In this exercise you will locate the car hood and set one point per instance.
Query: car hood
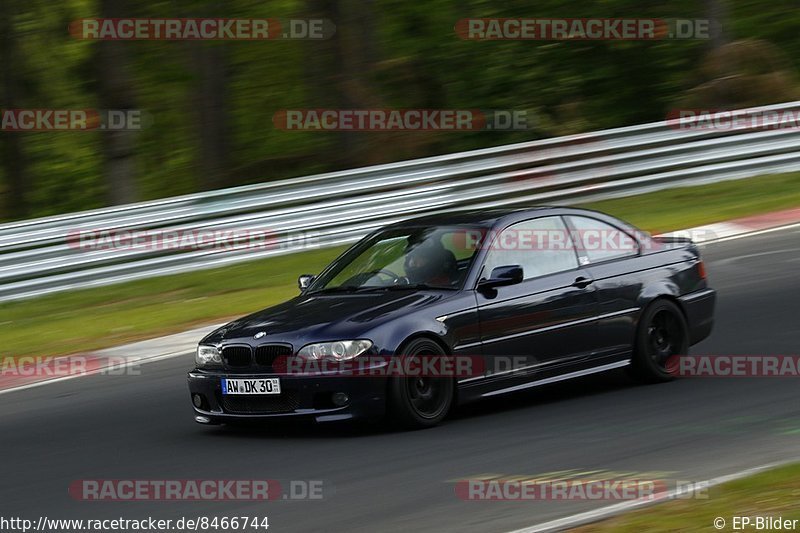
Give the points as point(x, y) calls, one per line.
point(325, 316)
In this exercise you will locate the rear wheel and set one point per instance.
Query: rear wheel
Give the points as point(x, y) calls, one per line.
point(662, 333)
point(424, 401)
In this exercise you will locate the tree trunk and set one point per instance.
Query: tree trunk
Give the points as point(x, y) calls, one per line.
point(13, 154)
point(209, 62)
point(115, 92)
point(338, 69)
point(717, 13)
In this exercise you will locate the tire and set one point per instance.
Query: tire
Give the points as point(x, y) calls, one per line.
point(661, 334)
point(416, 403)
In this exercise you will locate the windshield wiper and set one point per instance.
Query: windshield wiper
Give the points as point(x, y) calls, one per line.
point(341, 288)
point(369, 288)
point(418, 286)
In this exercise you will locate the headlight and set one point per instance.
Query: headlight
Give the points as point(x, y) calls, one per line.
point(335, 351)
point(207, 356)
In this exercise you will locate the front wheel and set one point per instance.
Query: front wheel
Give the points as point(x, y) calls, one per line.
point(662, 333)
point(423, 401)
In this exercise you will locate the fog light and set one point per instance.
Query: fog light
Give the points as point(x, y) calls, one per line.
point(197, 400)
point(339, 399)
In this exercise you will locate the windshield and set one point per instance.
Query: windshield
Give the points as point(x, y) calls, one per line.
point(429, 257)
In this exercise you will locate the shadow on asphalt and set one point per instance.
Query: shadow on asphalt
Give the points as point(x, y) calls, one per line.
point(547, 394)
point(534, 398)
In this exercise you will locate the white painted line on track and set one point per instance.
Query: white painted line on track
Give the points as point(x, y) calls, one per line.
point(145, 351)
point(114, 366)
point(580, 519)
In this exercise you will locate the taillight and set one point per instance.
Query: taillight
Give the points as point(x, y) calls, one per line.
point(701, 269)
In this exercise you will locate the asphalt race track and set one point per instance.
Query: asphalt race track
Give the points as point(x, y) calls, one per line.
point(141, 427)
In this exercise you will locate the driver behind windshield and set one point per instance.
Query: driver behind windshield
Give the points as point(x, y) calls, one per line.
point(429, 263)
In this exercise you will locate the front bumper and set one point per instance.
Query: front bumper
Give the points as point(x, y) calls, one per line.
point(699, 307)
point(301, 397)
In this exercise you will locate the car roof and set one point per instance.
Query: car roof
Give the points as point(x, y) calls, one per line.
point(478, 217)
point(487, 217)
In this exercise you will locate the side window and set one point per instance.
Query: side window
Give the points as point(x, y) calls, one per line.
point(599, 241)
point(541, 246)
point(459, 242)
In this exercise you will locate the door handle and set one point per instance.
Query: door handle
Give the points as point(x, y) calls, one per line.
point(582, 282)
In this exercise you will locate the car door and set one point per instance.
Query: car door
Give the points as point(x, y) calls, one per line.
point(610, 255)
point(549, 317)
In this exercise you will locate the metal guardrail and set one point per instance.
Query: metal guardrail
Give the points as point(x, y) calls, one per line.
point(36, 256)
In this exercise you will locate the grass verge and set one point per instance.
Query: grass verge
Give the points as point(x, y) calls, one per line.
point(90, 319)
point(768, 494)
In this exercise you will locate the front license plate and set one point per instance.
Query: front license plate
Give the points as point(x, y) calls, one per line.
point(251, 386)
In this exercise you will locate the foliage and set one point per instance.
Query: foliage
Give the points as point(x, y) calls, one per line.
point(387, 54)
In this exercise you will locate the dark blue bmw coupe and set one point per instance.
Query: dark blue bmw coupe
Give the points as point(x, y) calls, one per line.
point(521, 297)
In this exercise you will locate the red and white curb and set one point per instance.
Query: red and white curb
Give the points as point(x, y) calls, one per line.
point(742, 227)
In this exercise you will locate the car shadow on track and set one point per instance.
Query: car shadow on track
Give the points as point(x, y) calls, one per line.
point(293, 429)
point(612, 381)
point(584, 387)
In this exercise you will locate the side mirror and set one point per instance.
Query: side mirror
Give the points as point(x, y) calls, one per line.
point(501, 276)
point(304, 281)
